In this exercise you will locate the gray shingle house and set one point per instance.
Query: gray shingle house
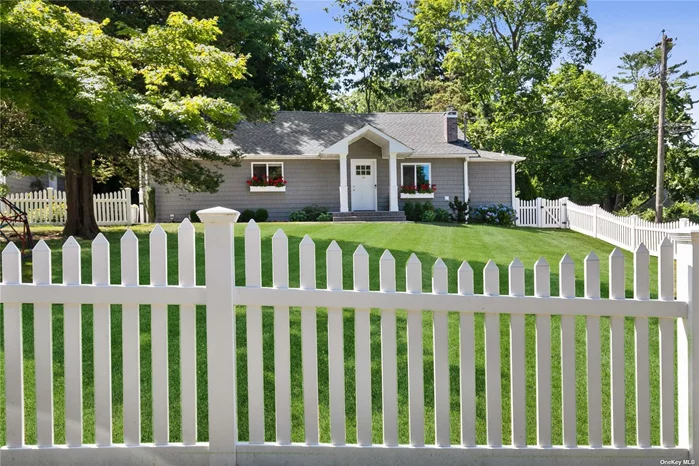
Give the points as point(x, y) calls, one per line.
point(353, 164)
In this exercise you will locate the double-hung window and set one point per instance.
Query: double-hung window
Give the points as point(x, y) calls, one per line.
point(270, 170)
point(416, 180)
point(267, 176)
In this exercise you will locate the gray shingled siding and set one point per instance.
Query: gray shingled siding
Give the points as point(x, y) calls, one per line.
point(490, 183)
point(447, 174)
point(308, 182)
point(23, 184)
point(318, 181)
point(365, 149)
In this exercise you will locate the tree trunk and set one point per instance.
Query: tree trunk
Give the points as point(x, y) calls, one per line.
point(80, 220)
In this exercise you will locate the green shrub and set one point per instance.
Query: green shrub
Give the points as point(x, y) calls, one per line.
point(193, 216)
point(246, 216)
point(409, 209)
point(442, 216)
point(325, 217)
point(429, 216)
point(635, 207)
point(414, 210)
point(298, 216)
point(648, 215)
point(459, 210)
point(313, 212)
point(499, 214)
point(680, 210)
point(261, 215)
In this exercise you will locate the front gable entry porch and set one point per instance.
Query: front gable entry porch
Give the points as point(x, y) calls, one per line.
point(363, 173)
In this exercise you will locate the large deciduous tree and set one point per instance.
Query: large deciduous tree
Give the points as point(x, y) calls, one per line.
point(95, 96)
point(499, 51)
point(370, 48)
point(285, 67)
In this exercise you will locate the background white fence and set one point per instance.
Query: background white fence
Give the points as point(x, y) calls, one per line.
point(48, 207)
point(219, 295)
point(624, 232)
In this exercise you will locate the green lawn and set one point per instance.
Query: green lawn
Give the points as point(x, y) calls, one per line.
point(453, 244)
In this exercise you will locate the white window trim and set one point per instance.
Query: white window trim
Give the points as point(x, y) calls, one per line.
point(266, 189)
point(416, 195)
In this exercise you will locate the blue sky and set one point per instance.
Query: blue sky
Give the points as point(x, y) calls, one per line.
point(623, 26)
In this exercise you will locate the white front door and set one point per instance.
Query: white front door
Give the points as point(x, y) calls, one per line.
point(363, 184)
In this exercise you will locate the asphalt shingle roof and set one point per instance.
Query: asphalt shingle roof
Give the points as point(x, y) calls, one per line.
point(305, 133)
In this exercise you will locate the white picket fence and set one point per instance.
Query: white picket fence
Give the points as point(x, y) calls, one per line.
point(48, 207)
point(624, 232)
point(219, 295)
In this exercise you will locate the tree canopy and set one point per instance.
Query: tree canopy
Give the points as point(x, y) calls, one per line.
point(94, 96)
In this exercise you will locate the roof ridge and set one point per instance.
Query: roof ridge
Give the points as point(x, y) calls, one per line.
point(360, 113)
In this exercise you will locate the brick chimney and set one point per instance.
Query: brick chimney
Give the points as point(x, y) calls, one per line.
point(451, 125)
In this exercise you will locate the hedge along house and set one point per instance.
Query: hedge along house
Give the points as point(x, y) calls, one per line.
point(359, 166)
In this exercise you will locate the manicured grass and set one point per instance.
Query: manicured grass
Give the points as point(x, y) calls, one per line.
point(453, 244)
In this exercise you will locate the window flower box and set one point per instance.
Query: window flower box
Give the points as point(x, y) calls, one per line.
point(417, 196)
point(422, 191)
point(267, 189)
point(265, 184)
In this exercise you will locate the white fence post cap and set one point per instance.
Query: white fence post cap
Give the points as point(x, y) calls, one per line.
point(689, 235)
point(218, 215)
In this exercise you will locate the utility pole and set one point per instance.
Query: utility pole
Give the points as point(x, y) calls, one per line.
point(659, 185)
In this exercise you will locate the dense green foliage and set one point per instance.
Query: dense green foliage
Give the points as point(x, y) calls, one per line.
point(311, 213)
point(246, 215)
point(93, 97)
point(298, 216)
point(459, 209)
point(314, 211)
point(261, 215)
point(285, 66)
point(517, 70)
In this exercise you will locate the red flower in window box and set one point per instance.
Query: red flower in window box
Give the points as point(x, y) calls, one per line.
point(418, 189)
point(264, 180)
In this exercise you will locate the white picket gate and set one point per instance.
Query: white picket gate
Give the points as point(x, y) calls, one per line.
point(542, 213)
point(219, 295)
point(48, 207)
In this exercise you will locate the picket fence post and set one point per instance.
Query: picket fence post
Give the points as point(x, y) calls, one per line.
point(687, 242)
point(539, 216)
point(595, 208)
point(564, 213)
point(220, 332)
point(634, 232)
point(49, 203)
point(127, 206)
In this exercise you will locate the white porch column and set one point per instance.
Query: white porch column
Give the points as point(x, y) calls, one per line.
point(467, 190)
point(393, 181)
point(344, 202)
point(512, 181)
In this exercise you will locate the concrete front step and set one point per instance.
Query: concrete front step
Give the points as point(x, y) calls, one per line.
point(369, 216)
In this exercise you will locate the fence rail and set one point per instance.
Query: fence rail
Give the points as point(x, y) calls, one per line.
point(624, 232)
point(48, 207)
point(219, 295)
